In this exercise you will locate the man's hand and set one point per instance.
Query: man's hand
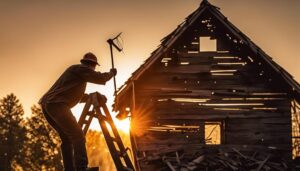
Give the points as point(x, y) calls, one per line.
point(113, 71)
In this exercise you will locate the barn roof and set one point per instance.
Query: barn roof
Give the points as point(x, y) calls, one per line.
point(170, 39)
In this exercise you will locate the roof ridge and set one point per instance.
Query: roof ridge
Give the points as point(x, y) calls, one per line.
point(206, 3)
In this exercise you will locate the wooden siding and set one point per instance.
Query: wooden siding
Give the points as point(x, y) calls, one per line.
point(178, 89)
point(186, 88)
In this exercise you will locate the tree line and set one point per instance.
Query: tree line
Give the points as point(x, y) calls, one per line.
point(31, 144)
point(26, 143)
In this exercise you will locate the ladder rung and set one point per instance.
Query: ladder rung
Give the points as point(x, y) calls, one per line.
point(90, 113)
point(104, 118)
point(85, 122)
point(122, 154)
point(115, 139)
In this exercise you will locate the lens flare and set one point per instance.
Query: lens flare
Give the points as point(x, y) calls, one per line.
point(123, 125)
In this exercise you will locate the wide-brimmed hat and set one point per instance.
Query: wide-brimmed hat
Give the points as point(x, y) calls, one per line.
point(90, 57)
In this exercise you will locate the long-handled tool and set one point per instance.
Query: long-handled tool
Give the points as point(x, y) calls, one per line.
point(111, 45)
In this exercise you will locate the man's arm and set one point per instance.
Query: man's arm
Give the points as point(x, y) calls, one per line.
point(92, 76)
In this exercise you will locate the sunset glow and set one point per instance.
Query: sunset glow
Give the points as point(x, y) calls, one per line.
point(32, 35)
point(122, 125)
point(187, 78)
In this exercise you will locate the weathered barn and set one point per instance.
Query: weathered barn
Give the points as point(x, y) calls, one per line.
point(209, 86)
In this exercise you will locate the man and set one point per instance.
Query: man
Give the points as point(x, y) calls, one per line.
point(66, 92)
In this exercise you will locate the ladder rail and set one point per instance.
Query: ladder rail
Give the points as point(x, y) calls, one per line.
point(117, 136)
point(83, 115)
point(109, 143)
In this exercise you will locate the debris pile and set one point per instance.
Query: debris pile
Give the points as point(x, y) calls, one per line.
point(234, 160)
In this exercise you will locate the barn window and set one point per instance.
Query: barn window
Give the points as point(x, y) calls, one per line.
point(207, 44)
point(212, 133)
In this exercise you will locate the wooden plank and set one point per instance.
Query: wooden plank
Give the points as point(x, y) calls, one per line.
point(205, 54)
point(206, 96)
point(185, 69)
point(210, 60)
point(149, 148)
point(220, 104)
point(239, 75)
point(192, 46)
point(219, 111)
point(213, 87)
point(248, 139)
point(217, 116)
point(169, 138)
point(283, 120)
point(215, 104)
point(226, 93)
point(200, 68)
point(202, 78)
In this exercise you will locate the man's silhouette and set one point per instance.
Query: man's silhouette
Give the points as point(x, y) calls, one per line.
point(66, 92)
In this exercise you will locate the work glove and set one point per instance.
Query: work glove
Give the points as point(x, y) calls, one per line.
point(113, 71)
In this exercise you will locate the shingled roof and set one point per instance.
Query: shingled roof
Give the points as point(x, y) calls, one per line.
point(205, 6)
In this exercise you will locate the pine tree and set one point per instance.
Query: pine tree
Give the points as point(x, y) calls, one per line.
point(11, 131)
point(41, 148)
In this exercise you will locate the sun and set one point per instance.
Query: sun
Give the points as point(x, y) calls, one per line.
point(123, 125)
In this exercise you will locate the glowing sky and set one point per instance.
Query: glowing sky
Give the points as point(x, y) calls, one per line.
point(40, 38)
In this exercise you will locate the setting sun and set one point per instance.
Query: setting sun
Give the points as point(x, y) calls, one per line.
point(123, 125)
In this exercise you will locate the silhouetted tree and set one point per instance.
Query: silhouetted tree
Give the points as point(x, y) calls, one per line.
point(11, 131)
point(41, 148)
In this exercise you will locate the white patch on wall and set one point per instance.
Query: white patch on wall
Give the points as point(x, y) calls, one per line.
point(207, 44)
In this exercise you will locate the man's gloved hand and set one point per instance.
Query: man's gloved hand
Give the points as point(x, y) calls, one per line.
point(113, 71)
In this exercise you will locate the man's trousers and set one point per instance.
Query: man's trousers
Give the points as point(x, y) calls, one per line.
point(73, 148)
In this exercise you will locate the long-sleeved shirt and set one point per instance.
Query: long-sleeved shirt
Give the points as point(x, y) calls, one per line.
point(70, 86)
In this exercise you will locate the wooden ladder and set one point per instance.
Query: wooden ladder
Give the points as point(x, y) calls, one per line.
point(115, 145)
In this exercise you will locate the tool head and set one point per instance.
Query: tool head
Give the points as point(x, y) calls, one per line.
point(89, 57)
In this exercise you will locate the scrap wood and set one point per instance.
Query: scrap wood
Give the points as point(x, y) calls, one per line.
point(233, 160)
point(198, 160)
point(229, 160)
point(237, 151)
point(188, 168)
point(168, 163)
point(262, 163)
point(228, 165)
point(170, 166)
point(177, 158)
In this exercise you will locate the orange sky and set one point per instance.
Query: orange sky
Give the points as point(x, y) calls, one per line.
point(39, 39)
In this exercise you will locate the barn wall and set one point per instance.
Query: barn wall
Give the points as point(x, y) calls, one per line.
point(188, 89)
